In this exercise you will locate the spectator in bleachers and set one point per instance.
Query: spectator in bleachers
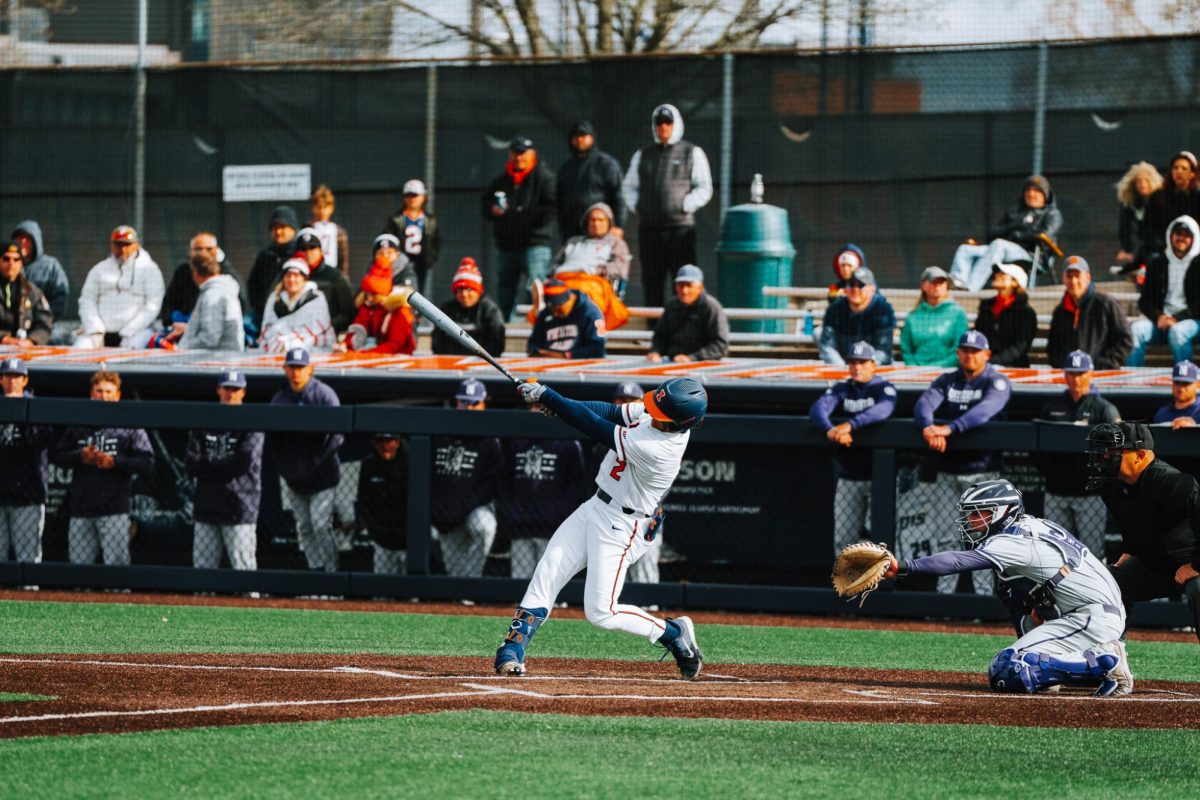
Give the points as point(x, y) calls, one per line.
point(693, 326)
point(1133, 193)
point(43, 270)
point(865, 399)
point(463, 490)
point(1087, 320)
point(1013, 239)
point(598, 251)
point(471, 311)
point(382, 501)
point(1007, 320)
point(335, 243)
point(416, 229)
point(121, 296)
point(268, 264)
point(381, 317)
point(297, 314)
point(588, 176)
point(216, 321)
point(23, 472)
point(1068, 501)
point(959, 401)
point(862, 315)
point(386, 250)
point(182, 291)
point(227, 466)
point(931, 331)
point(1177, 197)
point(538, 489)
point(847, 260)
point(1184, 409)
point(570, 326)
point(331, 282)
point(308, 464)
point(666, 184)
point(103, 462)
point(25, 318)
point(519, 204)
point(1170, 298)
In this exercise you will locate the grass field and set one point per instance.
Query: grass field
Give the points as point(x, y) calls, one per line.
point(481, 753)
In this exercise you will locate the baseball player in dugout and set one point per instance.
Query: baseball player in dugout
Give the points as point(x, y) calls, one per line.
point(864, 399)
point(955, 403)
point(616, 525)
point(1065, 605)
point(1157, 511)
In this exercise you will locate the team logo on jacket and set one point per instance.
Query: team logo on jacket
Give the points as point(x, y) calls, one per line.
point(964, 395)
point(455, 460)
point(11, 436)
point(535, 464)
point(1000, 384)
point(855, 406)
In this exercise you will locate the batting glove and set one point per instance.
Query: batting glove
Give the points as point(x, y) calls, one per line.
point(655, 524)
point(531, 391)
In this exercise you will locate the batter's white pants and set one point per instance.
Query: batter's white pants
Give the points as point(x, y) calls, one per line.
point(88, 536)
point(851, 512)
point(314, 526)
point(645, 569)
point(237, 541)
point(1094, 627)
point(1085, 516)
point(21, 526)
point(604, 540)
point(525, 554)
point(389, 561)
point(465, 548)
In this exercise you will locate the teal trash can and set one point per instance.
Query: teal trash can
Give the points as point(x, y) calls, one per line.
point(755, 250)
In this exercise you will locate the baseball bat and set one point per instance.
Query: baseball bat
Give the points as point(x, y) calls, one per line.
point(442, 322)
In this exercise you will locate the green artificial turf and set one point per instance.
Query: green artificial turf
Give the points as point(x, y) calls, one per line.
point(490, 754)
point(17, 697)
point(41, 627)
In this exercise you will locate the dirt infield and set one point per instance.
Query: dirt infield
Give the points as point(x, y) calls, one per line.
point(120, 693)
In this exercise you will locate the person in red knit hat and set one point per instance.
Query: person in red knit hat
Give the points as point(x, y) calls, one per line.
point(474, 313)
point(383, 314)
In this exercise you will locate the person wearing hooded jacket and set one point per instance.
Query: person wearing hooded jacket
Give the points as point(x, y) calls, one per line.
point(1178, 196)
point(666, 184)
point(589, 176)
point(1170, 299)
point(1013, 239)
point(216, 320)
point(598, 250)
point(42, 270)
point(847, 260)
point(297, 314)
point(266, 272)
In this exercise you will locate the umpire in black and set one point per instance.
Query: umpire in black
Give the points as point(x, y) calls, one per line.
point(1157, 511)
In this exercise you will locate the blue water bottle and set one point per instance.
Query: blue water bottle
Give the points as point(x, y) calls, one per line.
point(808, 323)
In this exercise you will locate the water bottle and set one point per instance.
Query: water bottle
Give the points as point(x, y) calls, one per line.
point(808, 323)
point(756, 188)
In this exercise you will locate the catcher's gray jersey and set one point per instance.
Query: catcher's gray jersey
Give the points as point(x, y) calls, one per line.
point(1038, 549)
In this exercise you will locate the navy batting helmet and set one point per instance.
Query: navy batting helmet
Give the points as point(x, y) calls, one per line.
point(1000, 503)
point(682, 401)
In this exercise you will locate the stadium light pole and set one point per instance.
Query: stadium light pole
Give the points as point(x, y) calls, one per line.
point(139, 133)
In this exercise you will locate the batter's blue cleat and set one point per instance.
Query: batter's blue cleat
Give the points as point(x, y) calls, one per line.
point(510, 660)
point(680, 641)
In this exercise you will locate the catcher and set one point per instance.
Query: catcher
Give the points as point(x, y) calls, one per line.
point(1065, 604)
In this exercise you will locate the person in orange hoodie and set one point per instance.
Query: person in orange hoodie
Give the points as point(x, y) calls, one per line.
point(381, 316)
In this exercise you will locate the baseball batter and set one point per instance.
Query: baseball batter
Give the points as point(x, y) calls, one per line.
point(646, 442)
point(1065, 604)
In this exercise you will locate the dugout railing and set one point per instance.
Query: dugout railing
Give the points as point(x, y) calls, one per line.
point(890, 443)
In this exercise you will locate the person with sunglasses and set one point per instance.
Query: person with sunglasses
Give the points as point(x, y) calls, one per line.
point(25, 317)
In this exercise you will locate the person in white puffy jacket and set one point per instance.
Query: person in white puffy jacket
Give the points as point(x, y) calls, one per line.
point(297, 314)
point(121, 296)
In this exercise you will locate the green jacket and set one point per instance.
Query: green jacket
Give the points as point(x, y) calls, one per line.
point(930, 334)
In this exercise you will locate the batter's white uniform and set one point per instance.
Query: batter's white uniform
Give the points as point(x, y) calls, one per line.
point(606, 537)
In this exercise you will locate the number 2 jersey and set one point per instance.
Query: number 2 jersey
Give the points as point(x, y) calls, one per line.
point(641, 466)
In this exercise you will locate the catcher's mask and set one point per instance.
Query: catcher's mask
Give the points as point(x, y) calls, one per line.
point(1106, 443)
point(999, 503)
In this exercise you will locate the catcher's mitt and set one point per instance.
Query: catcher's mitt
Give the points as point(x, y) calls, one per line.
point(859, 569)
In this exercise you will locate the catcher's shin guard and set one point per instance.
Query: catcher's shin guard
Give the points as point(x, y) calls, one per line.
point(1030, 672)
point(510, 658)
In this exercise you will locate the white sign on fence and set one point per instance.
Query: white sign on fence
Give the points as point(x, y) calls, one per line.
point(248, 182)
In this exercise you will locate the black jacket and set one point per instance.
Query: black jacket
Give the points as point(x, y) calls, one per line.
point(264, 275)
point(227, 466)
point(1022, 224)
point(338, 295)
point(1154, 291)
point(1102, 332)
point(307, 461)
point(1010, 334)
point(1066, 473)
point(529, 219)
point(483, 321)
point(29, 311)
point(699, 330)
point(383, 499)
point(594, 178)
point(465, 474)
point(1158, 517)
point(99, 492)
point(23, 463)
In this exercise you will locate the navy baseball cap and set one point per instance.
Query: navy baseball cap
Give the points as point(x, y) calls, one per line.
point(1078, 361)
point(520, 143)
point(1185, 372)
point(13, 366)
point(629, 390)
point(307, 239)
point(555, 292)
point(689, 273)
point(861, 351)
point(232, 379)
point(973, 340)
point(471, 391)
point(297, 357)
